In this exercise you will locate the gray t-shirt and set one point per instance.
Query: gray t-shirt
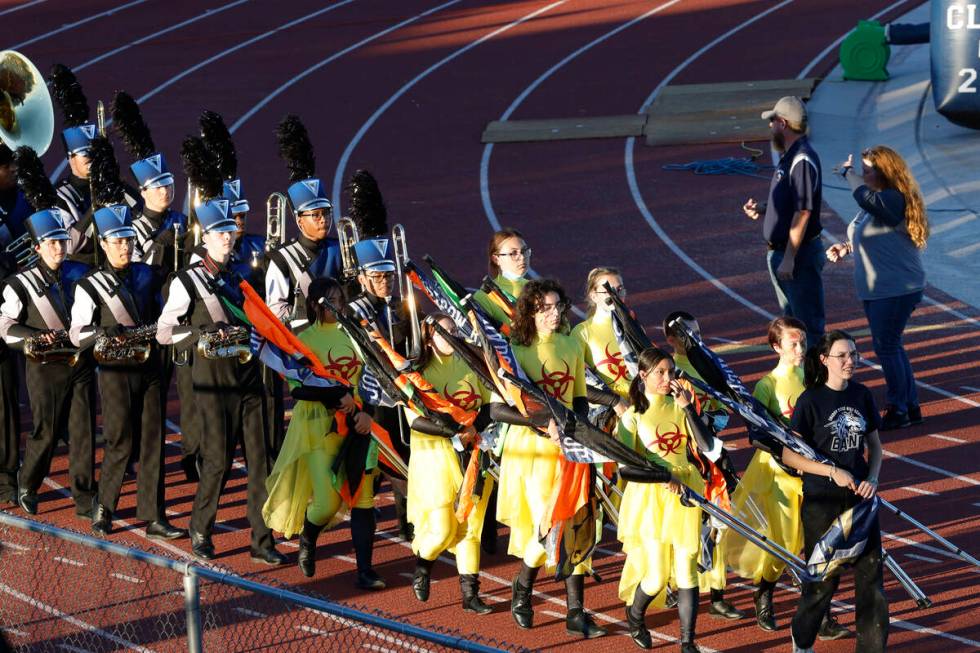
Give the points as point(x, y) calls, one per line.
point(886, 261)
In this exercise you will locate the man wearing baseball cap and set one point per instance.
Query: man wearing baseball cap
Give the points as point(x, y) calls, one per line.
point(791, 225)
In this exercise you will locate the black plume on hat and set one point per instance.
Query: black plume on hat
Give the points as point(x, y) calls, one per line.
point(295, 147)
point(200, 168)
point(68, 94)
point(129, 124)
point(217, 139)
point(107, 188)
point(367, 206)
point(33, 180)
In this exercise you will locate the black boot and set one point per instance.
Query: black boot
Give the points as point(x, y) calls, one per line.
point(520, 598)
point(722, 609)
point(306, 558)
point(763, 607)
point(830, 628)
point(422, 578)
point(469, 585)
point(687, 608)
point(101, 520)
point(577, 620)
point(362, 527)
point(636, 619)
point(405, 527)
point(201, 545)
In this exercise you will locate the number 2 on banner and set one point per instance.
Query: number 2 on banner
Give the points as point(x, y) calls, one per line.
point(968, 84)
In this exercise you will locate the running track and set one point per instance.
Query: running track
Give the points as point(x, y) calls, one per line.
point(405, 89)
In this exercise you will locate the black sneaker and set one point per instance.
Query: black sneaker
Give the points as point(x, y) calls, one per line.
point(831, 629)
point(915, 414)
point(894, 419)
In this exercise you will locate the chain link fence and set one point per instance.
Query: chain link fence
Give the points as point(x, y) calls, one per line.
point(65, 591)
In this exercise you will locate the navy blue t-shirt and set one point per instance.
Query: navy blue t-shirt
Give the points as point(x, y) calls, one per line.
point(796, 186)
point(836, 423)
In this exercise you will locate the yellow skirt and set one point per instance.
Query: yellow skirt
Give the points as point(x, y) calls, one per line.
point(650, 512)
point(434, 476)
point(528, 469)
point(767, 489)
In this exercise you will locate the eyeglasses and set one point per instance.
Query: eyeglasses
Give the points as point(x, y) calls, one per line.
point(316, 215)
point(118, 242)
point(853, 355)
point(379, 276)
point(515, 254)
point(560, 307)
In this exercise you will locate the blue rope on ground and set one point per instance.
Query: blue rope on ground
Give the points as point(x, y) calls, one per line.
point(745, 166)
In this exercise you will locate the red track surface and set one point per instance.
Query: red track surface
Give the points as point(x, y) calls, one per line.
point(572, 201)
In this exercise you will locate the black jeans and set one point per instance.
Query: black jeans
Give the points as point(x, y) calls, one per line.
point(871, 605)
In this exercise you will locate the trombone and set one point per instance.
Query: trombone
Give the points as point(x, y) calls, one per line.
point(22, 249)
point(406, 291)
point(348, 235)
point(275, 212)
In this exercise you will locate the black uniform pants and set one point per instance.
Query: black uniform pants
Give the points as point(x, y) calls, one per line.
point(230, 413)
point(62, 397)
point(189, 423)
point(871, 604)
point(9, 423)
point(131, 415)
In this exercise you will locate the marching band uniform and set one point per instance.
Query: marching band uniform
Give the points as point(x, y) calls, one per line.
point(155, 229)
point(229, 393)
point(109, 301)
point(62, 395)
point(601, 350)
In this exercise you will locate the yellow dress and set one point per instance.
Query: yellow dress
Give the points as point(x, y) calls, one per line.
point(767, 489)
point(290, 484)
point(435, 476)
point(529, 462)
point(660, 535)
point(602, 352)
point(512, 288)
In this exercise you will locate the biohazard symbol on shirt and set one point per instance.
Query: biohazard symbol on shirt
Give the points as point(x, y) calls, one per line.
point(670, 442)
point(614, 365)
point(467, 399)
point(790, 407)
point(343, 366)
point(556, 383)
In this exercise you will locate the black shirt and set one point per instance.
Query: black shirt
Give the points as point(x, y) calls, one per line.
point(796, 186)
point(836, 424)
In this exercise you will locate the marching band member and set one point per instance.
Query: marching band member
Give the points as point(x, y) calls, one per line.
point(602, 352)
point(304, 494)
point(112, 301)
point(660, 535)
point(228, 391)
point(509, 261)
point(529, 463)
point(34, 318)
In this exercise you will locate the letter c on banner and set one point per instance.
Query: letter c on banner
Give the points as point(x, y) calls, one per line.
point(955, 53)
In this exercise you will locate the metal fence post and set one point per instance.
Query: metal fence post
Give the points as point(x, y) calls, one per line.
point(192, 610)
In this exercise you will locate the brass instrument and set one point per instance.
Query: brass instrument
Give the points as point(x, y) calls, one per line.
point(406, 291)
point(22, 249)
point(59, 350)
point(347, 233)
point(100, 117)
point(275, 213)
point(180, 358)
point(26, 112)
point(133, 347)
point(234, 342)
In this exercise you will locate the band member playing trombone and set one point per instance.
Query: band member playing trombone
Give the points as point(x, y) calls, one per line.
point(34, 318)
point(307, 466)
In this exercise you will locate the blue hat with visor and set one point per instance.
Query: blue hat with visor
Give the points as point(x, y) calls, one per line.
point(48, 224)
point(114, 221)
point(375, 255)
point(236, 196)
point(307, 195)
point(78, 140)
point(215, 215)
point(152, 172)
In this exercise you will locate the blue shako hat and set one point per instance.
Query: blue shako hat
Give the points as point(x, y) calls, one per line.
point(215, 215)
point(114, 221)
point(78, 140)
point(375, 255)
point(309, 194)
point(48, 224)
point(152, 172)
point(232, 191)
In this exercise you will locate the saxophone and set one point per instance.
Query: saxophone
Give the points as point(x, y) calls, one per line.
point(131, 348)
point(235, 342)
point(59, 350)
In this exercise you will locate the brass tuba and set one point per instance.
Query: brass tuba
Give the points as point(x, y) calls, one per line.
point(59, 350)
point(26, 112)
point(235, 342)
point(131, 348)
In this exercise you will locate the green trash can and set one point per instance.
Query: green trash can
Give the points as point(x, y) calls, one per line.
point(864, 52)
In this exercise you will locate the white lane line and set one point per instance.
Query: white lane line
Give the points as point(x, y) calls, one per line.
point(952, 311)
point(370, 630)
point(970, 388)
point(916, 556)
point(926, 547)
point(14, 631)
point(68, 561)
point(15, 546)
point(552, 613)
point(320, 64)
point(948, 438)
point(380, 649)
point(251, 613)
point(19, 7)
point(338, 177)
point(346, 559)
point(73, 649)
point(74, 621)
point(916, 490)
point(129, 579)
point(122, 48)
point(931, 468)
point(77, 23)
